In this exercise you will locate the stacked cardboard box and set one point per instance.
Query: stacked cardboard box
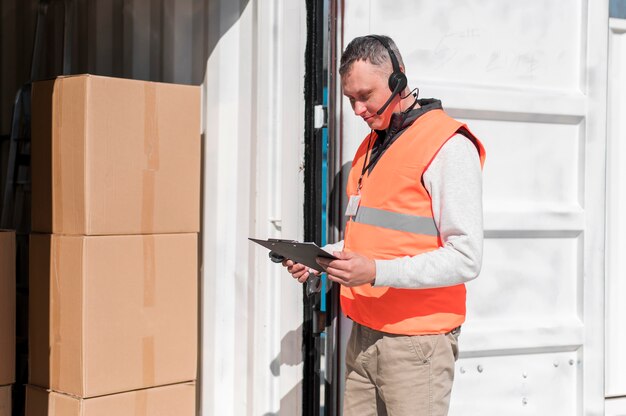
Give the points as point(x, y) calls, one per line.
point(113, 254)
point(176, 399)
point(7, 319)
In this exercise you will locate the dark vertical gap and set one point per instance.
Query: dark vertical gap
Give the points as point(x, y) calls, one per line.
point(82, 32)
point(4, 98)
point(163, 19)
point(117, 34)
point(127, 40)
point(8, 31)
point(67, 31)
point(198, 37)
point(333, 315)
point(141, 38)
point(156, 29)
point(54, 51)
point(168, 21)
point(17, 53)
point(74, 40)
point(22, 26)
point(313, 91)
point(105, 49)
point(41, 43)
point(92, 40)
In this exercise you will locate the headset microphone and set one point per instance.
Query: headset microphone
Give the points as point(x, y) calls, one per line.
point(396, 90)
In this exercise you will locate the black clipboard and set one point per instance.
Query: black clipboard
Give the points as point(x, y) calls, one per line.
point(303, 253)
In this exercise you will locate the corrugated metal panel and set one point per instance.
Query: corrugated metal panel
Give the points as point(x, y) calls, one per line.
point(157, 40)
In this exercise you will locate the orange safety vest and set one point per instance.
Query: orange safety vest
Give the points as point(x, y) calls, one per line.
point(395, 219)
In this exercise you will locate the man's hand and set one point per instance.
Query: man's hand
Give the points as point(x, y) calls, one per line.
point(351, 269)
point(298, 271)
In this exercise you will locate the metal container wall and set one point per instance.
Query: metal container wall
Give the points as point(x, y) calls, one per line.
point(156, 40)
point(253, 187)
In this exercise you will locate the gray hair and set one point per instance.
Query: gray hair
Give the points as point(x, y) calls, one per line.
point(368, 49)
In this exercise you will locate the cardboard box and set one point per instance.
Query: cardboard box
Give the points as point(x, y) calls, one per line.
point(7, 307)
point(176, 399)
point(112, 313)
point(5, 400)
point(115, 156)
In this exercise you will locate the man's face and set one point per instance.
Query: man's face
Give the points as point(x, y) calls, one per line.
point(366, 86)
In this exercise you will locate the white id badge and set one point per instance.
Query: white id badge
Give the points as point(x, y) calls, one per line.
point(353, 205)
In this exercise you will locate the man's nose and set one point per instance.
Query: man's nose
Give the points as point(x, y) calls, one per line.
point(359, 108)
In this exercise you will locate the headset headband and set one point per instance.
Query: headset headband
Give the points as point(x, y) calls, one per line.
point(394, 61)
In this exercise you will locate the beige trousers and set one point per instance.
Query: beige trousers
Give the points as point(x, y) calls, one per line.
point(397, 375)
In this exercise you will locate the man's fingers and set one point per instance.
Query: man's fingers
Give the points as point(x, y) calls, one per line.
point(304, 277)
point(337, 273)
point(298, 273)
point(342, 281)
point(338, 267)
point(337, 279)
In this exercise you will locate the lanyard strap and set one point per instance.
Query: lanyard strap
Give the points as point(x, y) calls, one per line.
point(365, 164)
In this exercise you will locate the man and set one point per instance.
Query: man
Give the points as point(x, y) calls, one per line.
point(413, 238)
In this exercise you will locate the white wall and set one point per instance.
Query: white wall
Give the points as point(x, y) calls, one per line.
point(253, 186)
point(615, 407)
point(616, 223)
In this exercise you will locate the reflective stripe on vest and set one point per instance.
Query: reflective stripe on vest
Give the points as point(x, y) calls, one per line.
point(395, 220)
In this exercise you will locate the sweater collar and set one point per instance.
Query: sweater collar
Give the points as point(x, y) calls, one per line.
point(400, 121)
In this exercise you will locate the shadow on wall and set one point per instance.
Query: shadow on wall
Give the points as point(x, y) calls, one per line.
point(290, 404)
point(291, 355)
point(291, 344)
point(290, 351)
point(336, 218)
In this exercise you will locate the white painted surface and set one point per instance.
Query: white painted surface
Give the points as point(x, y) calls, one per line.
point(529, 78)
point(616, 222)
point(615, 407)
point(253, 148)
point(516, 384)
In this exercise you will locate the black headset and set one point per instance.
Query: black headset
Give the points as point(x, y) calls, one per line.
point(397, 80)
